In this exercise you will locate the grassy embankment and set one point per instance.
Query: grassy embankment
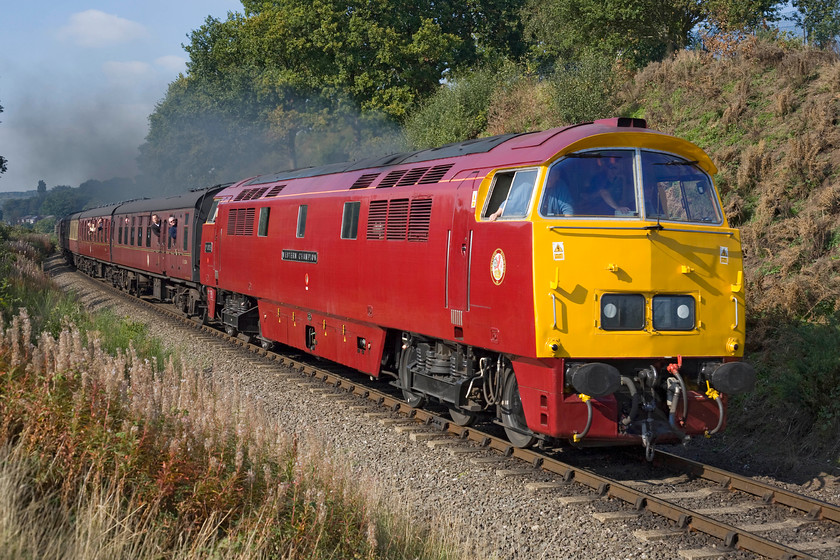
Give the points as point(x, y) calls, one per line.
point(104, 454)
point(769, 118)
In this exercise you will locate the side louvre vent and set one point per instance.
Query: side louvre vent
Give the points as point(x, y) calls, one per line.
point(241, 221)
point(435, 174)
point(397, 225)
point(391, 179)
point(377, 217)
point(400, 219)
point(275, 191)
point(412, 176)
point(419, 217)
point(251, 194)
point(364, 181)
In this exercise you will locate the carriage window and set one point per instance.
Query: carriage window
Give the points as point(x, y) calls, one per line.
point(510, 195)
point(131, 237)
point(301, 223)
point(119, 234)
point(149, 236)
point(350, 220)
point(186, 235)
point(140, 233)
point(262, 228)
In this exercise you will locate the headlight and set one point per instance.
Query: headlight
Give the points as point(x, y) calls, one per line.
point(622, 312)
point(673, 313)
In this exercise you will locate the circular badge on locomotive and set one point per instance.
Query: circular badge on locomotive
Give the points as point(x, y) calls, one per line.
point(498, 266)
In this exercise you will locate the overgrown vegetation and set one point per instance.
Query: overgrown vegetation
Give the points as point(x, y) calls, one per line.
point(768, 117)
point(132, 454)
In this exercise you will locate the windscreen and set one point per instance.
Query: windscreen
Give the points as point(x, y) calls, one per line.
point(629, 183)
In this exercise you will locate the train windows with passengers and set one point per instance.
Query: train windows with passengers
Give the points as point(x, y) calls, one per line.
point(510, 194)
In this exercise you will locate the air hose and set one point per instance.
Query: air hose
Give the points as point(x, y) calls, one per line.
point(588, 400)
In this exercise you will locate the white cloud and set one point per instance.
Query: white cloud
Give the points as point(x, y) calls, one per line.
point(172, 63)
point(93, 28)
point(121, 72)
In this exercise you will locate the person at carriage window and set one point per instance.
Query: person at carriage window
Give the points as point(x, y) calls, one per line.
point(155, 225)
point(173, 230)
point(557, 201)
point(519, 195)
point(611, 190)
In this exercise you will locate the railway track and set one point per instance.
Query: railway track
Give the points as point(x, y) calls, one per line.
point(740, 513)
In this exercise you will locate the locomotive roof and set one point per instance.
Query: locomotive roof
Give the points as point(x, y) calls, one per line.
point(528, 148)
point(477, 146)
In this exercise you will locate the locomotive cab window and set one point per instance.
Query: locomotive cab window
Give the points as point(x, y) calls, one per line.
point(676, 189)
point(350, 220)
point(594, 183)
point(510, 194)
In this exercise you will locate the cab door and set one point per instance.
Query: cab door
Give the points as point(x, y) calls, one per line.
point(459, 253)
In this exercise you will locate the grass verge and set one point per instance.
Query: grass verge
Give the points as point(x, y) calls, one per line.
point(104, 454)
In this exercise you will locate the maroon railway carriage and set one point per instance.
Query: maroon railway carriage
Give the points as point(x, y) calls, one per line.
point(138, 257)
point(89, 239)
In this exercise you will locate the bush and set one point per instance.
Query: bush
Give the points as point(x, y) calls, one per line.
point(585, 88)
point(457, 112)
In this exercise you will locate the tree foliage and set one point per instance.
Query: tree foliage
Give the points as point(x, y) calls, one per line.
point(633, 31)
point(820, 19)
point(294, 82)
point(458, 111)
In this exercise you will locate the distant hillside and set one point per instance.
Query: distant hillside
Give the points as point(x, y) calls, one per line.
point(769, 119)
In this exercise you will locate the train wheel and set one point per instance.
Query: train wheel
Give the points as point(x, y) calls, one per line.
point(461, 417)
point(407, 358)
point(513, 417)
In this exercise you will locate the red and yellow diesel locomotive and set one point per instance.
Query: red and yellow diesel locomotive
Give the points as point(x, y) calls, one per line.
point(580, 283)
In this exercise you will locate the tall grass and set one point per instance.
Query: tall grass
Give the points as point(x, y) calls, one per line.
point(106, 454)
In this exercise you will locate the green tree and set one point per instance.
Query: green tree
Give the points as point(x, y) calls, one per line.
point(308, 83)
point(635, 31)
point(820, 19)
point(42, 188)
point(63, 200)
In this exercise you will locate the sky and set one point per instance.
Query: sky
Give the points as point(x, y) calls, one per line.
point(78, 80)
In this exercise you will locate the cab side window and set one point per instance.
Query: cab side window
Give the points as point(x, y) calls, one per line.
point(511, 194)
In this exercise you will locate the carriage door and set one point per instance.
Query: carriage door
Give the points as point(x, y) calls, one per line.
point(459, 253)
point(176, 249)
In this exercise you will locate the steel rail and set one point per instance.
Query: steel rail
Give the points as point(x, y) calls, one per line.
point(816, 509)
